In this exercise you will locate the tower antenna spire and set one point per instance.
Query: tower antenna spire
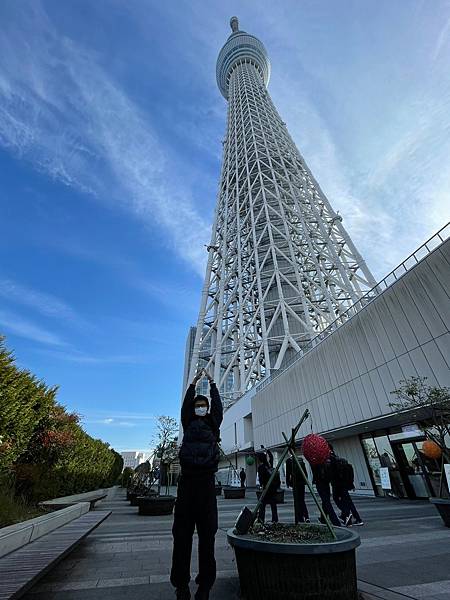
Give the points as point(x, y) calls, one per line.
point(234, 23)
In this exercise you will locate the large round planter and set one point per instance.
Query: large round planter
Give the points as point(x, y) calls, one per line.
point(155, 505)
point(443, 507)
point(279, 498)
point(276, 571)
point(233, 493)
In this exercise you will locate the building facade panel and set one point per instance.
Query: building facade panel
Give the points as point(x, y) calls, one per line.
point(426, 300)
point(435, 359)
point(371, 390)
point(443, 343)
point(413, 314)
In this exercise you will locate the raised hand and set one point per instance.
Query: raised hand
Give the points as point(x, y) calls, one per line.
point(198, 376)
point(208, 376)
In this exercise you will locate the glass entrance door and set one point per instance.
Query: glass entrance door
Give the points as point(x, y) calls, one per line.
point(412, 470)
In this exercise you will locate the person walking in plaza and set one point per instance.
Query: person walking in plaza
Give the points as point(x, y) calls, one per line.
point(264, 473)
point(322, 479)
point(342, 480)
point(268, 454)
point(242, 477)
point(294, 479)
point(196, 504)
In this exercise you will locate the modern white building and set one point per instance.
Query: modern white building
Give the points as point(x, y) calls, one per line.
point(134, 458)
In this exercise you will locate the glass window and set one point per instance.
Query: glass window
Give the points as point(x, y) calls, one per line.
point(388, 460)
point(374, 463)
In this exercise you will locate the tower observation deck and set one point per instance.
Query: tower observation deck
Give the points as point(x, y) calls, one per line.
point(281, 266)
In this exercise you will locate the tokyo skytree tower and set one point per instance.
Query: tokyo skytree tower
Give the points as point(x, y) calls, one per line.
point(281, 266)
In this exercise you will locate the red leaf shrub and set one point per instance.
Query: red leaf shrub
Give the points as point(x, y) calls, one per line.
point(315, 449)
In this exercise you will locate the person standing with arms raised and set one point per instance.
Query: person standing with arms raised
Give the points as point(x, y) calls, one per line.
point(196, 505)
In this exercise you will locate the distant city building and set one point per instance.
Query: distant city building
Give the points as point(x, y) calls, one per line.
point(134, 458)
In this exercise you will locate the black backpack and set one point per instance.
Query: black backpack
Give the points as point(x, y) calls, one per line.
point(276, 481)
point(343, 473)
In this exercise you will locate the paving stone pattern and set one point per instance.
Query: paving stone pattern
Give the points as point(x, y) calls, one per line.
point(405, 553)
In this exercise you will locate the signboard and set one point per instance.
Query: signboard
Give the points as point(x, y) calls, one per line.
point(447, 474)
point(385, 479)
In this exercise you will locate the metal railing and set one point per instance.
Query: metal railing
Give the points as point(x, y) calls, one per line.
point(422, 252)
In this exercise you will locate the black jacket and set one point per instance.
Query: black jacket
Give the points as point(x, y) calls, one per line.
point(293, 475)
point(322, 473)
point(199, 452)
point(264, 474)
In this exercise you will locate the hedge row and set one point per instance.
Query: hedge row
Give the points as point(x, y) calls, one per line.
point(44, 451)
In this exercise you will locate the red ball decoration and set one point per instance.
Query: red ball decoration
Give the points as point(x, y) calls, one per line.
point(431, 449)
point(315, 449)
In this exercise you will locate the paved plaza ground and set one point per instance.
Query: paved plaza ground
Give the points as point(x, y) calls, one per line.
point(405, 553)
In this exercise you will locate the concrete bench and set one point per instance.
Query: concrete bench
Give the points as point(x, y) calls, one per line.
point(64, 501)
point(20, 534)
point(21, 569)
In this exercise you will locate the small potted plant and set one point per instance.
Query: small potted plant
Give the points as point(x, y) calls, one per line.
point(431, 404)
point(139, 483)
point(153, 502)
point(233, 490)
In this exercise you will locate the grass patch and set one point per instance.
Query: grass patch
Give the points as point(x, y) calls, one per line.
point(15, 510)
point(304, 533)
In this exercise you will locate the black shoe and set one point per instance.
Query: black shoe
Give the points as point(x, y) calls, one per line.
point(202, 594)
point(183, 593)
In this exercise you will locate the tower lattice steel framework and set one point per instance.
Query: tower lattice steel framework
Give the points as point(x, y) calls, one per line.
point(281, 266)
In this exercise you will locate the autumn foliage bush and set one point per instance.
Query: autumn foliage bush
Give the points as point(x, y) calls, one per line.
point(44, 451)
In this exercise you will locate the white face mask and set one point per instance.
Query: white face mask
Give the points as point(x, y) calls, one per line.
point(201, 411)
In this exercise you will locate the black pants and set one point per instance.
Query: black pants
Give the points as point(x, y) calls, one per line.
point(196, 507)
point(268, 500)
point(345, 503)
point(300, 509)
point(323, 489)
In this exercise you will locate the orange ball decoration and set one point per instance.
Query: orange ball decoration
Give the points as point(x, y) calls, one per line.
point(431, 449)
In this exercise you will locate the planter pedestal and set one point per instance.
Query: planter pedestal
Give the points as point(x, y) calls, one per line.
point(218, 490)
point(443, 507)
point(132, 497)
point(233, 493)
point(279, 498)
point(317, 571)
point(155, 505)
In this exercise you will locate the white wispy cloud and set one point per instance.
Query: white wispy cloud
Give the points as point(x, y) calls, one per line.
point(114, 422)
point(62, 112)
point(73, 355)
point(45, 304)
point(125, 415)
point(443, 39)
point(392, 187)
point(15, 324)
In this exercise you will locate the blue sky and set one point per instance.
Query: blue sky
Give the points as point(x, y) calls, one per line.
point(110, 139)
